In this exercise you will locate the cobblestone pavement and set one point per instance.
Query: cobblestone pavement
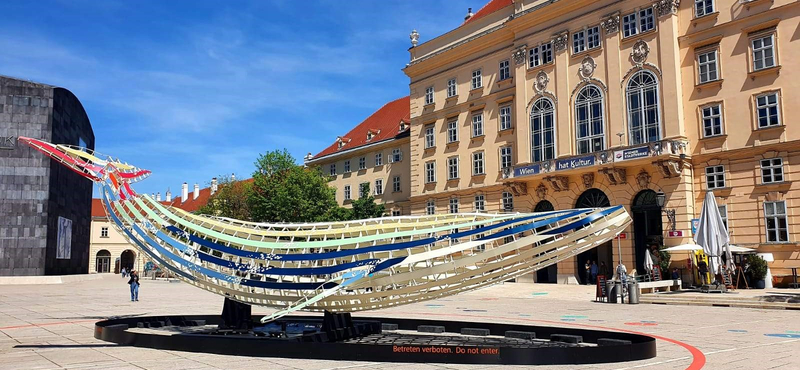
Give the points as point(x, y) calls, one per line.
point(51, 327)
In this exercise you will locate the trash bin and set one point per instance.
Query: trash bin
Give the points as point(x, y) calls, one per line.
point(633, 293)
point(611, 290)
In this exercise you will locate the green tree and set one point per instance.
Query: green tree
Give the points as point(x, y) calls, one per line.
point(232, 199)
point(365, 206)
point(285, 192)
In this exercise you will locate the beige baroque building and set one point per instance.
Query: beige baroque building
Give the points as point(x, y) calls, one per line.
point(534, 105)
point(374, 153)
point(109, 251)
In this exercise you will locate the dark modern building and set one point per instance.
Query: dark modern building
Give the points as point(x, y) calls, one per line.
point(45, 208)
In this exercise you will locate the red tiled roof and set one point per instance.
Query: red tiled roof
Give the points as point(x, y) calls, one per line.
point(490, 7)
point(190, 205)
point(384, 123)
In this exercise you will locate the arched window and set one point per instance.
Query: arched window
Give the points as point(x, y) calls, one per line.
point(590, 128)
point(643, 112)
point(592, 198)
point(544, 206)
point(543, 141)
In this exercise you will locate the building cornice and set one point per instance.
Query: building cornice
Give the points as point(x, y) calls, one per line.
point(353, 151)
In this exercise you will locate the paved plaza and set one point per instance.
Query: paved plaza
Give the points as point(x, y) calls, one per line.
point(51, 327)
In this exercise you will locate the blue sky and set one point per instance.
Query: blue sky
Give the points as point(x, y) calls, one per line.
point(196, 89)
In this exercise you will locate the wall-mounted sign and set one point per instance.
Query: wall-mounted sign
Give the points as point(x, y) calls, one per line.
point(566, 164)
point(695, 224)
point(633, 153)
point(527, 170)
point(675, 234)
point(622, 236)
point(8, 142)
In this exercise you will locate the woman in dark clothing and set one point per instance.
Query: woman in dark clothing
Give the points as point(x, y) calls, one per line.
point(134, 283)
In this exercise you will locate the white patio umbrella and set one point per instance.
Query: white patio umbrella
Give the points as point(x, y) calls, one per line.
point(711, 233)
point(648, 261)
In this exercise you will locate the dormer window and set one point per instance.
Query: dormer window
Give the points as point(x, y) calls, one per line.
point(402, 126)
point(341, 141)
point(372, 133)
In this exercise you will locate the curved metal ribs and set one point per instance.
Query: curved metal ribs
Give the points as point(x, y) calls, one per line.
point(338, 266)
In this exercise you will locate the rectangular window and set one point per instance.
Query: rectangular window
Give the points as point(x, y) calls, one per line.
point(396, 184)
point(647, 21)
point(505, 157)
point(630, 26)
point(712, 120)
point(347, 166)
point(363, 190)
point(477, 80)
point(505, 70)
point(540, 55)
point(715, 177)
point(505, 117)
point(763, 52)
point(347, 192)
point(775, 217)
point(771, 170)
point(430, 207)
point(508, 202)
point(430, 172)
point(397, 155)
point(578, 42)
point(451, 88)
point(452, 131)
point(362, 163)
point(586, 39)
point(453, 205)
point(452, 168)
point(104, 232)
point(477, 125)
point(480, 203)
point(429, 95)
point(430, 138)
point(707, 64)
point(378, 186)
point(703, 7)
point(723, 214)
point(333, 169)
point(768, 110)
point(378, 159)
point(477, 164)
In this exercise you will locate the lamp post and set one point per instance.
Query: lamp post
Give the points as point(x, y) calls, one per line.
point(660, 201)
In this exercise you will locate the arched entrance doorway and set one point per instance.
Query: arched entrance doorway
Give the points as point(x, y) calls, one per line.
point(544, 206)
point(548, 275)
point(647, 228)
point(103, 262)
point(126, 259)
point(602, 255)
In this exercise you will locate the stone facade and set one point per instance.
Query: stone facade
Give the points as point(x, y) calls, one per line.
point(34, 190)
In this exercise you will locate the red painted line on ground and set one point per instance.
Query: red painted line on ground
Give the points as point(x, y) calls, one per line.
point(698, 358)
point(44, 324)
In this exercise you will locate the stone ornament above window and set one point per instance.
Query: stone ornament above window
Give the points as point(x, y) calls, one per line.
point(666, 7)
point(639, 53)
point(587, 68)
point(560, 41)
point(611, 24)
point(540, 86)
point(588, 180)
point(519, 54)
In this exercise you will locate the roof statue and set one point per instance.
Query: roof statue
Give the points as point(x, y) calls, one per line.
point(337, 266)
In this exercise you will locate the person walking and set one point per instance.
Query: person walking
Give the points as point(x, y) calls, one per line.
point(702, 269)
point(134, 283)
point(593, 270)
point(587, 273)
point(122, 272)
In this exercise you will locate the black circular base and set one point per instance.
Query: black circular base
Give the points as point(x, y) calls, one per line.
point(504, 345)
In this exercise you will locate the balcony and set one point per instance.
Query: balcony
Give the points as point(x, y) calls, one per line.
point(667, 156)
